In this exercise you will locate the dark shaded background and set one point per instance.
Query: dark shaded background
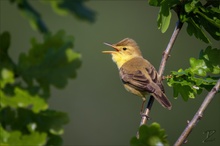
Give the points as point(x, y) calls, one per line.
point(101, 111)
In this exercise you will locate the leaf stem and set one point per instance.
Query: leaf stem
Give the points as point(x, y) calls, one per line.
point(198, 115)
point(161, 70)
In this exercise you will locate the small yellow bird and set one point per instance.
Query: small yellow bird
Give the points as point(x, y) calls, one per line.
point(137, 74)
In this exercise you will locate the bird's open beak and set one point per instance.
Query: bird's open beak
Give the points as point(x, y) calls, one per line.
point(110, 52)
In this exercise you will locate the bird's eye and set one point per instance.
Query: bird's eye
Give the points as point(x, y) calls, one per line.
point(124, 49)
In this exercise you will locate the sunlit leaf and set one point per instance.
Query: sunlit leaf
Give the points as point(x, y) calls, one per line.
point(6, 77)
point(211, 59)
point(23, 99)
point(191, 5)
point(198, 66)
point(17, 138)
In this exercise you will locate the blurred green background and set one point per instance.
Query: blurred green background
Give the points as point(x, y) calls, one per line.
point(102, 112)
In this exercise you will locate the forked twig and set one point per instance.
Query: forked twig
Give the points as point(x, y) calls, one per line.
point(198, 115)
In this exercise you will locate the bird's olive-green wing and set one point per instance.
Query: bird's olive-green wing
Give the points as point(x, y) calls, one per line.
point(143, 83)
point(138, 80)
point(154, 76)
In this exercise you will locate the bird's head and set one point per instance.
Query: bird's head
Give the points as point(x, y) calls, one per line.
point(125, 50)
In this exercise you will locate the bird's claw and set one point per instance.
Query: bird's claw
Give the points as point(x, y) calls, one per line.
point(145, 115)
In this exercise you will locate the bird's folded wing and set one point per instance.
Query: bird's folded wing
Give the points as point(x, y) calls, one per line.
point(137, 80)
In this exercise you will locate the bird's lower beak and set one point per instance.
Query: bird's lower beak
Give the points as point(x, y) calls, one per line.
point(110, 52)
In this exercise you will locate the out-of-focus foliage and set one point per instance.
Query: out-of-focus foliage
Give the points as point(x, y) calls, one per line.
point(25, 118)
point(49, 63)
point(62, 7)
point(31, 14)
point(203, 73)
point(198, 15)
point(23, 102)
point(74, 7)
point(17, 138)
point(151, 135)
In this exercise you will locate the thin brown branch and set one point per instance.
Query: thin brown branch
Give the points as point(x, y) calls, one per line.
point(165, 56)
point(169, 47)
point(198, 115)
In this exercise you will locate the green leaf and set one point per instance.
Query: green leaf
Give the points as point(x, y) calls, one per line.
point(26, 121)
point(154, 2)
point(198, 67)
point(193, 80)
point(7, 66)
point(194, 29)
point(210, 20)
point(76, 7)
point(209, 62)
point(52, 121)
point(183, 84)
point(6, 77)
point(212, 30)
point(51, 62)
point(200, 17)
point(191, 5)
point(185, 91)
point(55, 140)
point(18, 138)
point(150, 136)
point(214, 22)
point(164, 16)
point(5, 61)
point(215, 10)
point(211, 59)
point(4, 43)
point(186, 84)
point(22, 99)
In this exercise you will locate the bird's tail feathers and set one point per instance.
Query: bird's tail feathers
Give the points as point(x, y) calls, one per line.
point(163, 100)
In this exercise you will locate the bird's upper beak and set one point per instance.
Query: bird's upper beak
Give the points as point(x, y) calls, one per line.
point(110, 52)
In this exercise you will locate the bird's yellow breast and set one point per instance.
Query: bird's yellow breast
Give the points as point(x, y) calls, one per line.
point(121, 59)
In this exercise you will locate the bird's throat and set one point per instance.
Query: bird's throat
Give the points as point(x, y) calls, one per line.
point(120, 60)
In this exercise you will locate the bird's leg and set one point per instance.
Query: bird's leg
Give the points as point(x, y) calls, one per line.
point(142, 112)
point(142, 105)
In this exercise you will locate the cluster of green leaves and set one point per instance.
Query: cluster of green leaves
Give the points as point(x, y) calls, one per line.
point(25, 117)
point(203, 73)
point(26, 86)
point(199, 16)
point(150, 136)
